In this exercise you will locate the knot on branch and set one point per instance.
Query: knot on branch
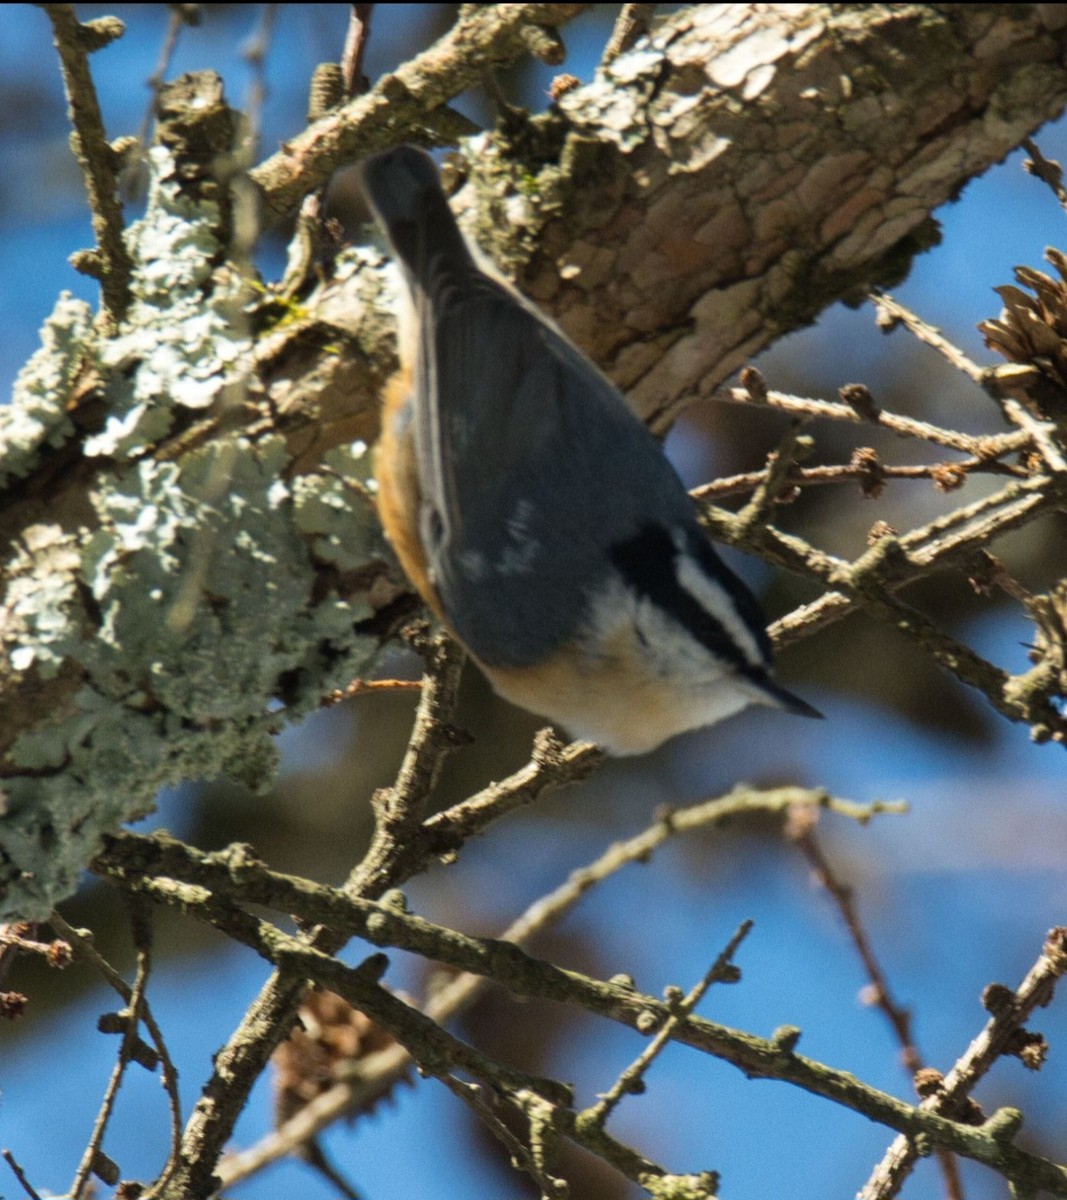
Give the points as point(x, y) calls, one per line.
point(1043, 689)
point(1029, 1047)
point(867, 463)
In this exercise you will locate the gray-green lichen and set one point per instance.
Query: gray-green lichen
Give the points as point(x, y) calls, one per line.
point(184, 331)
point(180, 616)
point(37, 415)
point(322, 509)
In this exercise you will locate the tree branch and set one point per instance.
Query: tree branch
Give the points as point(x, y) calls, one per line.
point(1010, 1010)
point(488, 36)
point(99, 160)
point(757, 1057)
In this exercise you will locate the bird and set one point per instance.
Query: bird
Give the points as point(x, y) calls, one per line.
point(535, 513)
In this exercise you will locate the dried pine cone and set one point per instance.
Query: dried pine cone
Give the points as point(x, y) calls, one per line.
point(1032, 331)
point(330, 1035)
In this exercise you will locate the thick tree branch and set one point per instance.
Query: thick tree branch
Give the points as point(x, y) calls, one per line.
point(489, 36)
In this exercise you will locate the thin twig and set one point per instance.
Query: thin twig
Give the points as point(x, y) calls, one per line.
point(356, 39)
point(75, 42)
point(86, 951)
point(1046, 169)
point(412, 96)
point(254, 52)
point(20, 1175)
point(1040, 434)
point(436, 1051)
point(316, 1158)
point(399, 810)
point(373, 1076)
point(630, 1080)
point(16, 939)
point(987, 446)
point(871, 581)
point(11, 936)
point(331, 84)
point(520, 1154)
point(801, 831)
point(180, 16)
point(760, 1057)
point(133, 1015)
point(137, 863)
point(244, 1057)
point(554, 763)
point(889, 312)
point(359, 687)
point(775, 478)
point(950, 472)
point(1009, 1011)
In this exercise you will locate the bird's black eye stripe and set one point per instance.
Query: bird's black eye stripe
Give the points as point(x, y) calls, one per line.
point(647, 563)
point(746, 604)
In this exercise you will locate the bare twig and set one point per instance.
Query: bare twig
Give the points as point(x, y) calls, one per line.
point(254, 52)
point(331, 84)
point(554, 763)
point(359, 687)
point(765, 1058)
point(776, 477)
point(1046, 169)
point(356, 39)
point(11, 935)
point(20, 1175)
point(373, 1075)
point(489, 35)
point(88, 953)
point(871, 581)
point(110, 262)
point(1041, 434)
point(942, 473)
point(1009, 1012)
point(398, 809)
point(521, 1155)
point(132, 1017)
point(631, 1080)
point(18, 938)
point(179, 16)
point(985, 447)
point(314, 1155)
point(801, 830)
point(889, 313)
point(137, 862)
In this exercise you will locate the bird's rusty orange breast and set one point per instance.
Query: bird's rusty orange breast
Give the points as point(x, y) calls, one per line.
point(399, 494)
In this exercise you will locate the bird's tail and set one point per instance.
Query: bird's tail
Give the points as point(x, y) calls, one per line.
point(403, 188)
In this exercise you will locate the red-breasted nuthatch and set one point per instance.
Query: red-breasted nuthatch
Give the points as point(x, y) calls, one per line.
point(536, 514)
